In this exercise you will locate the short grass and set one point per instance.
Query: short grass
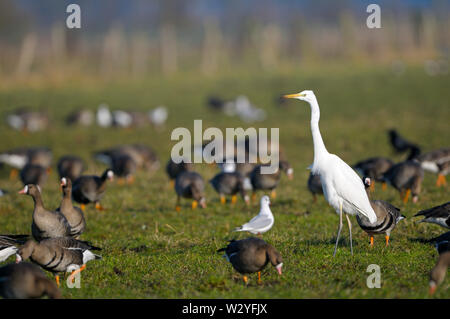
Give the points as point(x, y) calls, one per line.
point(151, 251)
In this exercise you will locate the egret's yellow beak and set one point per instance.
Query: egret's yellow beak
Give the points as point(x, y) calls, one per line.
point(293, 96)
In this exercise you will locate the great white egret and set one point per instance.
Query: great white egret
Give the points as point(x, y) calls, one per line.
point(342, 187)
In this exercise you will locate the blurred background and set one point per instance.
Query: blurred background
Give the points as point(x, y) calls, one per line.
point(140, 38)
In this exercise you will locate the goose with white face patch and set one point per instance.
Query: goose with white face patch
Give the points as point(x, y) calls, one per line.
point(90, 189)
point(58, 255)
point(342, 187)
point(262, 222)
point(439, 215)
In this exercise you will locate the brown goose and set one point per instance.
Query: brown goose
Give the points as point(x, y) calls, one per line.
point(229, 184)
point(90, 189)
point(269, 181)
point(34, 174)
point(437, 274)
point(251, 255)
point(58, 255)
point(70, 166)
point(439, 215)
point(46, 224)
point(74, 215)
point(407, 178)
point(315, 185)
point(387, 217)
point(19, 157)
point(174, 169)
point(27, 120)
point(124, 167)
point(437, 161)
point(142, 155)
point(374, 168)
point(82, 117)
point(26, 281)
point(190, 185)
point(9, 244)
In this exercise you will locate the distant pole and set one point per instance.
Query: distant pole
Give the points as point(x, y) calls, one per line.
point(27, 54)
point(211, 46)
point(168, 43)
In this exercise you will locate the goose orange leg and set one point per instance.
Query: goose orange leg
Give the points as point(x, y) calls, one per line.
point(245, 278)
point(371, 241)
point(57, 280)
point(383, 186)
point(99, 206)
point(405, 199)
point(233, 199)
point(372, 187)
point(273, 194)
point(83, 207)
point(177, 206)
point(222, 200)
point(259, 277)
point(194, 204)
point(387, 240)
point(441, 180)
point(13, 174)
point(76, 272)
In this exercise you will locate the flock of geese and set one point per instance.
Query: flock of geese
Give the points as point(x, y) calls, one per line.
point(56, 246)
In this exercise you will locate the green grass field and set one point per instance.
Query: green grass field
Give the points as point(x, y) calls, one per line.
point(151, 251)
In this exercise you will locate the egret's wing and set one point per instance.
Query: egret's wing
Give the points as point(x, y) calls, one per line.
point(350, 187)
point(258, 222)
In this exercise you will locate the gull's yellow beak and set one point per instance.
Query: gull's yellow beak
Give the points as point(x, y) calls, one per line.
point(293, 96)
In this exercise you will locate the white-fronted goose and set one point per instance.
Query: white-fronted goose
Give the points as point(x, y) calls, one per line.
point(438, 162)
point(230, 183)
point(28, 121)
point(70, 166)
point(91, 188)
point(437, 274)
point(262, 222)
point(174, 169)
point(144, 156)
point(74, 215)
point(387, 217)
point(269, 181)
point(399, 143)
point(124, 167)
point(314, 185)
point(26, 281)
point(439, 215)
point(190, 185)
point(374, 168)
point(46, 224)
point(34, 174)
point(80, 117)
point(58, 255)
point(407, 178)
point(251, 255)
point(19, 157)
point(9, 244)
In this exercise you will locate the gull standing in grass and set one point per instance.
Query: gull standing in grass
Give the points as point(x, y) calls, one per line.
point(342, 187)
point(262, 222)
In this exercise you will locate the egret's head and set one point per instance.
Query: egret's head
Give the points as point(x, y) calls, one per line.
point(306, 95)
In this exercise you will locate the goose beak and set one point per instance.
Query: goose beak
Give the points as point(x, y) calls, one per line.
point(24, 190)
point(432, 288)
point(293, 96)
point(18, 258)
point(278, 267)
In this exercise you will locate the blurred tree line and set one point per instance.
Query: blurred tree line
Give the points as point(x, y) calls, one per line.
point(141, 37)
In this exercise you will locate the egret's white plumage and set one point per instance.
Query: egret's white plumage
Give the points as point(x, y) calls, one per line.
point(261, 222)
point(342, 187)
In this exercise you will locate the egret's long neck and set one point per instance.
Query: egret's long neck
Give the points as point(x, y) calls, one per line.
point(319, 146)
